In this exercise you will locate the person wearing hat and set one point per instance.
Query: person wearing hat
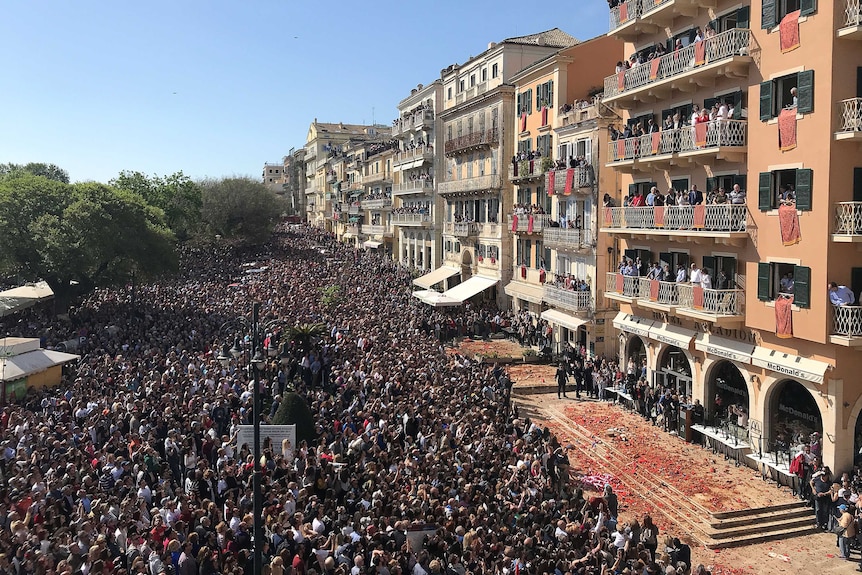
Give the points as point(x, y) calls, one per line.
point(846, 523)
point(821, 489)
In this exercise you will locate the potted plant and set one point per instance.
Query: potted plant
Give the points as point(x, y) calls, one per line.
point(547, 163)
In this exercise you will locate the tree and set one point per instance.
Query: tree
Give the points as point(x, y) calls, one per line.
point(305, 335)
point(80, 236)
point(50, 171)
point(239, 208)
point(294, 410)
point(177, 195)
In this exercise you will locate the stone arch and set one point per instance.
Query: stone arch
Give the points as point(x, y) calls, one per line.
point(709, 379)
point(771, 395)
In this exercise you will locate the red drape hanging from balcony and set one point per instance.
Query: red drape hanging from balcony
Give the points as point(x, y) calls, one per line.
point(654, 286)
point(788, 32)
point(697, 296)
point(788, 219)
point(514, 222)
point(570, 181)
point(699, 217)
point(700, 53)
point(530, 224)
point(542, 275)
point(656, 142)
point(624, 12)
point(609, 217)
point(787, 129)
point(552, 180)
point(653, 68)
point(621, 80)
point(658, 216)
point(620, 283)
point(523, 121)
point(621, 149)
point(544, 115)
point(523, 271)
point(700, 131)
point(784, 317)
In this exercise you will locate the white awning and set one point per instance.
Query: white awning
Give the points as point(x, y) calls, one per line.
point(632, 324)
point(372, 244)
point(464, 291)
point(531, 293)
point(435, 276)
point(723, 347)
point(23, 297)
point(790, 365)
point(19, 366)
point(563, 319)
point(435, 298)
point(672, 335)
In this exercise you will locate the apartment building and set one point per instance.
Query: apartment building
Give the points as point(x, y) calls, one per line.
point(417, 166)
point(782, 158)
point(294, 181)
point(555, 169)
point(273, 176)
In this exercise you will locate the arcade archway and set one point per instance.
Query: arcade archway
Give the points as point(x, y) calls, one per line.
point(794, 417)
point(674, 371)
point(727, 395)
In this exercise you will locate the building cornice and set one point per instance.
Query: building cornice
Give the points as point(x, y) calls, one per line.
point(497, 94)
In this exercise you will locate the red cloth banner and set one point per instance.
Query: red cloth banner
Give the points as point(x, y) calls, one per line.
point(658, 216)
point(787, 130)
point(621, 282)
point(523, 121)
point(654, 286)
point(700, 131)
point(624, 12)
point(530, 224)
point(699, 217)
point(621, 80)
point(788, 32)
point(542, 275)
point(621, 149)
point(788, 219)
point(784, 317)
point(570, 180)
point(700, 53)
point(552, 181)
point(514, 223)
point(656, 142)
point(697, 296)
point(609, 216)
point(544, 115)
point(653, 68)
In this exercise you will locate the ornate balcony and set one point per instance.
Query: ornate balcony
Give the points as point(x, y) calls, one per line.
point(721, 307)
point(527, 170)
point(377, 204)
point(472, 141)
point(621, 288)
point(418, 186)
point(724, 223)
point(661, 296)
point(852, 24)
point(846, 326)
point(578, 114)
point(571, 300)
point(471, 185)
point(661, 13)
point(568, 239)
point(374, 178)
point(354, 209)
point(726, 54)
point(850, 114)
point(461, 229)
point(415, 121)
point(582, 180)
point(411, 220)
point(419, 155)
point(848, 222)
point(523, 225)
point(376, 230)
point(309, 208)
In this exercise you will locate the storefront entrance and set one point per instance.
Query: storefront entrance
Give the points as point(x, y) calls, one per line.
point(635, 351)
point(674, 372)
point(727, 397)
point(794, 417)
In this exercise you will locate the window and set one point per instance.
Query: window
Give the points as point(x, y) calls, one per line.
point(495, 70)
point(725, 182)
point(683, 110)
point(525, 146)
point(642, 187)
point(543, 145)
point(737, 19)
point(484, 74)
point(584, 148)
point(775, 94)
point(546, 257)
point(775, 280)
point(673, 260)
point(493, 251)
point(470, 125)
point(785, 185)
point(545, 95)
point(449, 93)
point(460, 127)
point(717, 264)
point(525, 253)
point(494, 119)
point(461, 85)
point(644, 255)
point(525, 196)
point(472, 80)
point(525, 102)
point(772, 11)
point(679, 184)
point(642, 120)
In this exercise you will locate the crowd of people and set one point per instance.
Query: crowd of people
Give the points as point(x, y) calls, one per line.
point(720, 111)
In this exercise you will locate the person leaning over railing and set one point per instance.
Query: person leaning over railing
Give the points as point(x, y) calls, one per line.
point(840, 295)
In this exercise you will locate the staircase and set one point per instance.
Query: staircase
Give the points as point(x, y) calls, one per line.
point(747, 526)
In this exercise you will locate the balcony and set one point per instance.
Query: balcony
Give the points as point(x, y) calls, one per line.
point(411, 220)
point(571, 300)
point(369, 179)
point(523, 225)
point(721, 307)
point(417, 186)
point(377, 204)
point(413, 121)
point(527, 170)
point(352, 230)
point(309, 208)
point(582, 180)
point(726, 54)
point(578, 114)
point(703, 143)
point(850, 114)
point(568, 239)
point(852, 25)
point(376, 230)
point(661, 13)
point(660, 296)
point(471, 185)
point(725, 223)
point(418, 155)
point(846, 326)
point(621, 288)
point(624, 23)
point(461, 229)
point(472, 141)
point(848, 222)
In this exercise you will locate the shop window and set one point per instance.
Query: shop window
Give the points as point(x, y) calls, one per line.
point(788, 186)
point(776, 94)
point(772, 11)
point(776, 280)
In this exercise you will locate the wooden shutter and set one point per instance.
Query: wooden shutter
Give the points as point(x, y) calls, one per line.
point(764, 273)
point(805, 92)
point(802, 286)
point(632, 189)
point(716, 25)
point(764, 191)
point(766, 106)
point(708, 102)
point(804, 180)
point(709, 263)
point(741, 180)
point(530, 101)
point(857, 184)
point(631, 254)
point(711, 184)
point(549, 94)
point(666, 259)
point(856, 281)
point(743, 17)
point(767, 14)
point(807, 7)
point(518, 106)
point(681, 258)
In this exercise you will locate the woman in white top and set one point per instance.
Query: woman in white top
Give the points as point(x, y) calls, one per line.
point(705, 279)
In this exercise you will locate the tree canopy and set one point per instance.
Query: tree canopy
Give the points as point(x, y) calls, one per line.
point(50, 171)
point(239, 208)
point(177, 195)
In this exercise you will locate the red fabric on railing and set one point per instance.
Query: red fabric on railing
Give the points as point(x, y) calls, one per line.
point(532, 168)
point(787, 130)
point(544, 115)
point(514, 223)
point(552, 180)
point(624, 12)
point(697, 296)
point(620, 283)
point(542, 275)
point(788, 32)
point(523, 121)
point(530, 224)
point(699, 217)
point(609, 216)
point(523, 272)
point(658, 216)
point(788, 220)
point(784, 317)
point(515, 169)
point(654, 286)
point(570, 181)
point(653, 68)
point(621, 80)
point(700, 53)
point(621, 149)
point(656, 142)
point(700, 131)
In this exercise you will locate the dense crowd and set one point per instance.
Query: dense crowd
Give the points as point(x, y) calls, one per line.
point(131, 464)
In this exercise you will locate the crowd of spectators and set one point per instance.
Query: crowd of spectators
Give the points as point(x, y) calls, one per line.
point(694, 197)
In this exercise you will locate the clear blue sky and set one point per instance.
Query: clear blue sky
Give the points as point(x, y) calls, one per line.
point(219, 87)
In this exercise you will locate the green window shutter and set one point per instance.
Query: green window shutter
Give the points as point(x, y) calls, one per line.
point(805, 92)
point(807, 7)
point(550, 94)
point(711, 184)
point(764, 189)
point(804, 180)
point(764, 276)
point(632, 189)
point(767, 14)
point(530, 101)
point(802, 286)
point(741, 179)
point(857, 184)
point(709, 264)
point(743, 17)
point(518, 107)
point(715, 25)
point(766, 106)
point(666, 259)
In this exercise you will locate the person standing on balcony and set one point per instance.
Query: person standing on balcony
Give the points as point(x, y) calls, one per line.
point(723, 282)
point(705, 279)
point(695, 275)
point(695, 196)
point(680, 274)
point(840, 295)
point(650, 199)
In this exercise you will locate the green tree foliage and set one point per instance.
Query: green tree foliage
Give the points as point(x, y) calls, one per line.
point(79, 236)
point(50, 171)
point(177, 195)
point(305, 335)
point(330, 295)
point(294, 410)
point(239, 209)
